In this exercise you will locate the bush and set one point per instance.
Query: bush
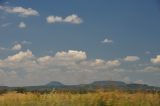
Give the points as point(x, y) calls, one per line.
point(20, 90)
point(3, 91)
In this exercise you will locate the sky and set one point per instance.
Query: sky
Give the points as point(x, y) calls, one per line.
point(79, 41)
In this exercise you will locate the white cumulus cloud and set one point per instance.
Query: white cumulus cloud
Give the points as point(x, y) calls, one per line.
point(20, 56)
point(25, 12)
point(106, 40)
point(54, 19)
point(74, 19)
point(131, 58)
point(113, 62)
point(61, 65)
point(22, 25)
point(71, 55)
point(151, 69)
point(45, 59)
point(17, 47)
point(156, 60)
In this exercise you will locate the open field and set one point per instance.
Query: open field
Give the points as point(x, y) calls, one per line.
point(115, 98)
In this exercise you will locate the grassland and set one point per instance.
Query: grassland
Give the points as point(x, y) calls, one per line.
point(115, 98)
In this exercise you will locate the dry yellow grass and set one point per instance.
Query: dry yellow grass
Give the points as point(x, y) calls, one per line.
point(115, 98)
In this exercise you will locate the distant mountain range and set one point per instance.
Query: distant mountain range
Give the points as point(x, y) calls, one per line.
point(92, 86)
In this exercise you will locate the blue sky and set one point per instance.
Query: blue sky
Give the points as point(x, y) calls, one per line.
point(99, 39)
